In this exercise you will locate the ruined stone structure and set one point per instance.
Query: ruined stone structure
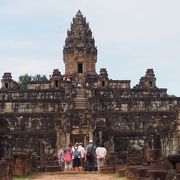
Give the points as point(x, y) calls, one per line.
point(51, 113)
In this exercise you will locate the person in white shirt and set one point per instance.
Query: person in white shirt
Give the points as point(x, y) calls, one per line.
point(79, 86)
point(100, 155)
point(61, 156)
point(82, 154)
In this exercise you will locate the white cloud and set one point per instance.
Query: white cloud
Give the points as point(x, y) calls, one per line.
point(19, 43)
point(22, 65)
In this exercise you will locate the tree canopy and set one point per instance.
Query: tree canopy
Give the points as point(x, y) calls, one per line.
point(25, 79)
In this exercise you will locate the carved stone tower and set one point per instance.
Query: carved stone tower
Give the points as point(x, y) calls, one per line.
point(149, 81)
point(80, 53)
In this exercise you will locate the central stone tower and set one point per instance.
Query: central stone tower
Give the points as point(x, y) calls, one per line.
point(80, 53)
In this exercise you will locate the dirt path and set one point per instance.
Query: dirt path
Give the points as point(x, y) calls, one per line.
point(73, 176)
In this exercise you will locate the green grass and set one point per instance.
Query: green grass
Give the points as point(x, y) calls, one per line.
point(21, 177)
point(28, 177)
point(119, 178)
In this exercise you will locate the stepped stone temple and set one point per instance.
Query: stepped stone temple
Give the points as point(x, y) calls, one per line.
point(48, 114)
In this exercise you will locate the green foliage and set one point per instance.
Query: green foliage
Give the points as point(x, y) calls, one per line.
point(25, 79)
point(20, 178)
point(38, 77)
point(27, 177)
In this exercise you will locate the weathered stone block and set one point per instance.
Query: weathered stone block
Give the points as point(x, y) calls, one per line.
point(107, 169)
point(53, 169)
point(157, 174)
point(5, 173)
point(178, 167)
point(22, 162)
point(121, 172)
point(112, 159)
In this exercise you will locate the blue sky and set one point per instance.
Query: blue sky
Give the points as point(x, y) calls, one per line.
point(131, 36)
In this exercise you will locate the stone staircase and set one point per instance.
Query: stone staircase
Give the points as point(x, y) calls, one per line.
point(80, 101)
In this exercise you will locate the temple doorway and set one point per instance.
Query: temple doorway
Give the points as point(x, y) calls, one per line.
point(79, 138)
point(80, 67)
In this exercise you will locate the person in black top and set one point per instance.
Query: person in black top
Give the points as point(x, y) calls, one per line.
point(90, 156)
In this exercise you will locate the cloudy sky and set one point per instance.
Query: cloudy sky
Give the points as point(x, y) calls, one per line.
point(131, 36)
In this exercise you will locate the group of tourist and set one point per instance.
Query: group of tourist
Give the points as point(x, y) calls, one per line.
point(82, 159)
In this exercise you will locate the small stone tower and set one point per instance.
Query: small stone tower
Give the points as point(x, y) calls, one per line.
point(8, 82)
point(80, 53)
point(148, 81)
point(56, 79)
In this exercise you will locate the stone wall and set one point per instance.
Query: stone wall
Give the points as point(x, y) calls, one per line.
point(23, 162)
point(133, 118)
point(6, 169)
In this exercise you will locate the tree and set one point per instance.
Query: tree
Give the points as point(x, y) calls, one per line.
point(39, 77)
point(25, 79)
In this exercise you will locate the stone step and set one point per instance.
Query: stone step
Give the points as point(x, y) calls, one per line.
point(107, 170)
point(80, 106)
point(121, 172)
point(157, 174)
point(80, 99)
point(80, 96)
point(81, 93)
point(80, 102)
point(80, 90)
point(52, 169)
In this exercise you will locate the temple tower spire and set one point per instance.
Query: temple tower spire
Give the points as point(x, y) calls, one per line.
point(80, 52)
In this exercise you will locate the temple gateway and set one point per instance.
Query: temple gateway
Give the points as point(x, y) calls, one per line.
point(84, 104)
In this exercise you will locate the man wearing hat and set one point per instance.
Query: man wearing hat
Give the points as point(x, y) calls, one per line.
point(90, 156)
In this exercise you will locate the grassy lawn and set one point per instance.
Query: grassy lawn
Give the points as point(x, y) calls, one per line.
point(21, 177)
point(120, 178)
point(28, 177)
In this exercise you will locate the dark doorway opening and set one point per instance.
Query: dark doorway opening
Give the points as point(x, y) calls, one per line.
point(103, 83)
point(77, 138)
point(6, 85)
point(80, 68)
point(56, 83)
point(150, 83)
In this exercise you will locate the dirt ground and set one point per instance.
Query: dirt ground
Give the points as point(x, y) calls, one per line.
point(73, 176)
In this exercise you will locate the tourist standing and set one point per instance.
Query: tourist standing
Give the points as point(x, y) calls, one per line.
point(100, 155)
point(79, 86)
point(76, 157)
point(68, 158)
point(82, 155)
point(90, 156)
point(61, 157)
